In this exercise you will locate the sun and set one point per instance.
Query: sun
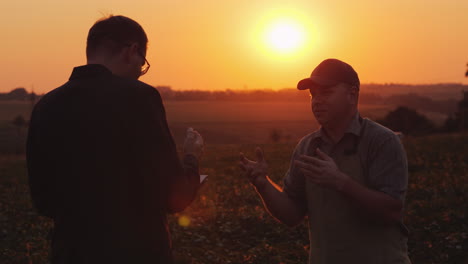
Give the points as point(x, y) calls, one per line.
point(284, 36)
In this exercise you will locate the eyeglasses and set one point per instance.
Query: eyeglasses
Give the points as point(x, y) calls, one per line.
point(146, 65)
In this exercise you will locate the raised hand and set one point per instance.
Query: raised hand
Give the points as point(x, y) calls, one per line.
point(194, 144)
point(322, 170)
point(256, 171)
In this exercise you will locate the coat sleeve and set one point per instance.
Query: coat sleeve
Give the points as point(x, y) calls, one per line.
point(41, 182)
point(180, 179)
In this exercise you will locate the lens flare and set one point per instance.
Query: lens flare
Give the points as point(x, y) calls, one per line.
point(184, 221)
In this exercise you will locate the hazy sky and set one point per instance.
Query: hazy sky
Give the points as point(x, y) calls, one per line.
point(214, 44)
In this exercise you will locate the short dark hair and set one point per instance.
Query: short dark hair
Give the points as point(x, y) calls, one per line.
point(113, 33)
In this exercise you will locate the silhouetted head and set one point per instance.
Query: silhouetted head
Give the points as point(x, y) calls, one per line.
point(120, 44)
point(334, 88)
point(331, 72)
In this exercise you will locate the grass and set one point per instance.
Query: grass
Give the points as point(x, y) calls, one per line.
point(227, 221)
point(229, 225)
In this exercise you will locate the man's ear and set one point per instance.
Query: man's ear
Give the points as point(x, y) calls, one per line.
point(129, 51)
point(353, 94)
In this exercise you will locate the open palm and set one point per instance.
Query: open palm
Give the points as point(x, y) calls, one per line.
point(255, 170)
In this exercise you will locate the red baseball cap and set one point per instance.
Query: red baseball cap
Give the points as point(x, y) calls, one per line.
point(330, 72)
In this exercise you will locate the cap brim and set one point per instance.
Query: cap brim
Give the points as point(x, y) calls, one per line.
point(308, 83)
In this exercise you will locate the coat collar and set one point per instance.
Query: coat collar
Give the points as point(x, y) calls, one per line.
point(89, 71)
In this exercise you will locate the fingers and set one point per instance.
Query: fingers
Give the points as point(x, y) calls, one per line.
point(260, 156)
point(307, 166)
point(190, 133)
point(198, 138)
point(312, 177)
point(258, 152)
point(247, 169)
point(189, 130)
point(244, 160)
point(322, 154)
point(245, 164)
point(194, 135)
point(315, 178)
point(242, 157)
point(193, 143)
point(311, 160)
point(242, 166)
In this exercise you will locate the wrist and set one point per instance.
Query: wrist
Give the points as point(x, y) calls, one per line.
point(190, 161)
point(343, 183)
point(192, 154)
point(260, 182)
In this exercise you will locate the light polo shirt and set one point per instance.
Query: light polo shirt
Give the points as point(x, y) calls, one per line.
point(382, 156)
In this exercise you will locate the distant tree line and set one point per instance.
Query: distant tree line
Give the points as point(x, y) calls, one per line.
point(19, 94)
point(410, 96)
point(367, 96)
point(409, 122)
point(232, 95)
point(405, 118)
point(422, 97)
point(459, 120)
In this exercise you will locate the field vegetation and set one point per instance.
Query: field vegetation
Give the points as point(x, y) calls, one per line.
point(227, 222)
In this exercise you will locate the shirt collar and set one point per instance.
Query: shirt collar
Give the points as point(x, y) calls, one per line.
point(354, 128)
point(355, 125)
point(89, 71)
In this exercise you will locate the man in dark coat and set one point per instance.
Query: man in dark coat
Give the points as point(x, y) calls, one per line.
point(102, 162)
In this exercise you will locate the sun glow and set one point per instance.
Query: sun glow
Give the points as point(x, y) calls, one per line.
point(284, 36)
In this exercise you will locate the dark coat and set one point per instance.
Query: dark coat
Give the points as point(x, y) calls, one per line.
point(103, 165)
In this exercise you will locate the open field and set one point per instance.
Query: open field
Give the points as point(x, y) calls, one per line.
point(222, 122)
point(229, 225)
point(216, 111)
point(219, 122)
point(228, 222)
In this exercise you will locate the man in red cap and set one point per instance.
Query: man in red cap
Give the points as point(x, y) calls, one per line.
point(349, 177)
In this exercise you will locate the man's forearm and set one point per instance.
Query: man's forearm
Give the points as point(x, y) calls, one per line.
point(184, 189)
point(376, 204)
point(278, 204)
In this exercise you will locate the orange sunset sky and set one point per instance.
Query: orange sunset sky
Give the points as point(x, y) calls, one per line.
point(237, 44)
